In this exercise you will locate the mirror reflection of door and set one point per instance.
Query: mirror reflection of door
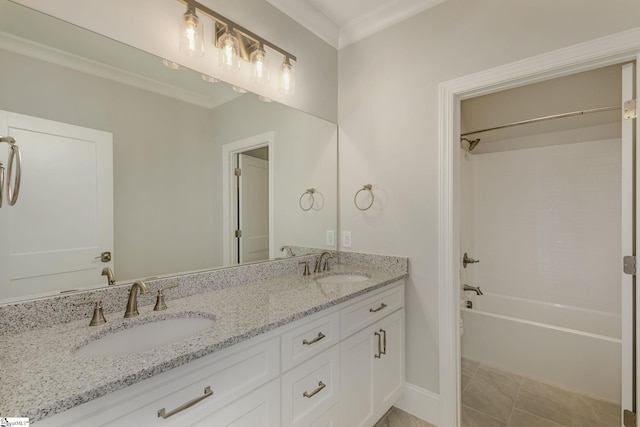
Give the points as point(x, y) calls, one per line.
point(252, 201)
point(52, 238)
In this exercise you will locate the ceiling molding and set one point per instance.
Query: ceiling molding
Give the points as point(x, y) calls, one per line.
point(35, 50)
point(368, 22)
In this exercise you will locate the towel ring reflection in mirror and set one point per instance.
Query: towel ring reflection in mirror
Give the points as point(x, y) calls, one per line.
point(13, 161)
point(366, 188)
point(306, 203)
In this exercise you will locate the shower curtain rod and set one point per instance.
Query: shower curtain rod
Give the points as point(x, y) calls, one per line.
point(541, 119)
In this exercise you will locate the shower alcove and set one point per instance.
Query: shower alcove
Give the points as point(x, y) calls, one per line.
point(541, 210)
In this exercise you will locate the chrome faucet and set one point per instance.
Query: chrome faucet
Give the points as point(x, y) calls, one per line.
point(132, 303)
point(475, 289)
point(325, 267)
point(288, 249)
point(109, 273)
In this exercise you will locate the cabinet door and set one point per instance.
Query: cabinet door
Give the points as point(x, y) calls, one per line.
point(388, 375)
point(356, 366)
point(372, 367)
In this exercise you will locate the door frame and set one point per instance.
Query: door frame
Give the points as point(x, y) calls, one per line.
point(609, 50)
point(228, 194)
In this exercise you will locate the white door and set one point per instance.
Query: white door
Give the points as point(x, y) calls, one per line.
point(254, 208)
point(629, 293)
point(52, 238)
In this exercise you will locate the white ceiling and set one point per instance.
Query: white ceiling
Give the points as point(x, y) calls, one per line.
point(342, 22)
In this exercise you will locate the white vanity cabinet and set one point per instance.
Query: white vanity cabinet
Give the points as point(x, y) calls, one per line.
point(372, 363)
point(343, 366)
point(230, 376)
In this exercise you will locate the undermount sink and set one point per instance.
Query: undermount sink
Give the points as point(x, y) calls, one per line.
point(145, 336)
point(342, 278)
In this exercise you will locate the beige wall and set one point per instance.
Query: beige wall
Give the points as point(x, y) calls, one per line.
point(388, 120)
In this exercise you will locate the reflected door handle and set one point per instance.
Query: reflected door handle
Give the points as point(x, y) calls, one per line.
point(104, 256)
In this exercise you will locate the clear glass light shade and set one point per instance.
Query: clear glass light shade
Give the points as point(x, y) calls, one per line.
point(229, 47)
point(191, 35)
point(259, 66)
point(287, 79)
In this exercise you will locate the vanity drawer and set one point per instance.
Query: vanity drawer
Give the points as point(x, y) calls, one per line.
point(228, 379)
point(309, 339)
point(364, 313)
point(311, 389)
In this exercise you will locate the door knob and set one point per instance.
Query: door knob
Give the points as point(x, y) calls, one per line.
point(104, 256)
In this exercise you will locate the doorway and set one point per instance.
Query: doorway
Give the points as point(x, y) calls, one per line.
point(252, 206)
point(248, 191)
point(540, 207)
point(598, 53)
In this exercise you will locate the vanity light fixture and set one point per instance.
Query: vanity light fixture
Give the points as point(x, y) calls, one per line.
point(191, 39)
point(288, 78)
point(236, 42)
point(229, 48)
point(259, 66)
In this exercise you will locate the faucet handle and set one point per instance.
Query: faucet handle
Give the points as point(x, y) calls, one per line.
point(98, 315)
point(160, 304)
point(306, 268)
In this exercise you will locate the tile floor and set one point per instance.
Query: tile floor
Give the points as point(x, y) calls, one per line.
point(491, 397)
point(495, 398)
point(398, 418)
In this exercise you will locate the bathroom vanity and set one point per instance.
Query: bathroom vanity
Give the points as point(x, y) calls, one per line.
point(285, 351)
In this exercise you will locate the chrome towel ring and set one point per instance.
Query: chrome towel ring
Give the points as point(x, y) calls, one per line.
point(310, 199)
point(15, 160)
point(366, 187)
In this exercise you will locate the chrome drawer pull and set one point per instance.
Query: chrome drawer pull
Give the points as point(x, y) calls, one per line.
point(207, 393)
point(379, 355)
point(315, 340)
point(384, 341)
point(321, 385)
point(373, 310)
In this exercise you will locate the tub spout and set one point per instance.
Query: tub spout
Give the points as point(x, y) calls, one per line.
point(475, 289)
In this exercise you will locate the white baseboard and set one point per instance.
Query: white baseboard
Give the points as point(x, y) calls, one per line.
point(420, 403)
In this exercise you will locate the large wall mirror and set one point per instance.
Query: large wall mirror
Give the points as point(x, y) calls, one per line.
point(174, 140)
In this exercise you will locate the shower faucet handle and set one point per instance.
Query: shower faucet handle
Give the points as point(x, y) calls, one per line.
point(466, 260)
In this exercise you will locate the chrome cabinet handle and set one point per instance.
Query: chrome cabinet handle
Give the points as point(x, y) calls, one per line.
point(379, 355)
point(315, 340)
point(321, 385)
point(382, 343)
point(189, 404)
point(374, 310)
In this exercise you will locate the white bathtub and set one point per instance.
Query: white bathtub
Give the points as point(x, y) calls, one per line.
point(573, 348)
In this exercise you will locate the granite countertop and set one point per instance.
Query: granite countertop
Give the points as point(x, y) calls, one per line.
point(42, 375)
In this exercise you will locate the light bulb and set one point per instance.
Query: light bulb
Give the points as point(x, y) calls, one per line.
point(191, 39)
point(287, 78)
point(259, 66)
point(209, 79)
point(229, 47)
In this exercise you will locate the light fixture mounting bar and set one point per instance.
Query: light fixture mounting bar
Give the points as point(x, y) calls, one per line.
point(238, 28)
